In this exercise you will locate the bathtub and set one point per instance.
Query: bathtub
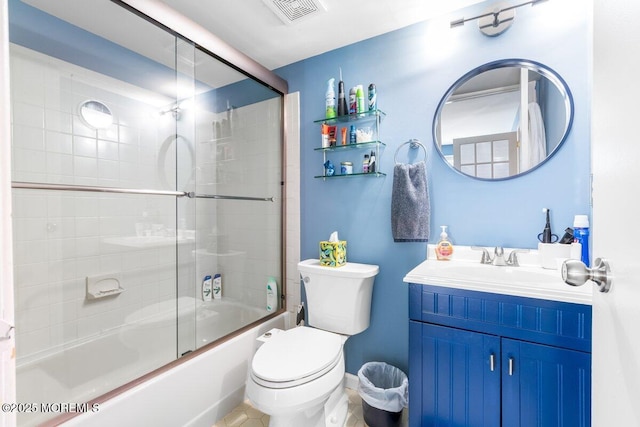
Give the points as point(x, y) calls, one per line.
point(196, 390)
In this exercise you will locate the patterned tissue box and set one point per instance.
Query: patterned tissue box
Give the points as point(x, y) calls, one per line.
point(333, 254)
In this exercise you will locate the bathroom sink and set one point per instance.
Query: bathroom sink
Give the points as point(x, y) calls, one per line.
point(527, 280)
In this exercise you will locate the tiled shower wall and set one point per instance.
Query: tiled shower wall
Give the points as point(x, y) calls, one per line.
point(63, 237)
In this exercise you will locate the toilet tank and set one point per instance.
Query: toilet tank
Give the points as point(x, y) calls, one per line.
point(338, 298)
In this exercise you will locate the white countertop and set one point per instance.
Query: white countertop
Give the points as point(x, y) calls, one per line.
point(464, 271)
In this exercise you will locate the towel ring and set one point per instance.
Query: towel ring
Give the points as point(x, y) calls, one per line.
point(414, 144)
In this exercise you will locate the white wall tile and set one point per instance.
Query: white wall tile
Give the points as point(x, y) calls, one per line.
point(60, 237)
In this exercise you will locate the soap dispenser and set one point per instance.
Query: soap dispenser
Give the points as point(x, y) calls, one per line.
point(444, 248)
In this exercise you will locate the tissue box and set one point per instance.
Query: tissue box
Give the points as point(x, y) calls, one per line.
point(333, 254)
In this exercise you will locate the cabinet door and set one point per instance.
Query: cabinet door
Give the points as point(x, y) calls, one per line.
point(545, 386)
point(454, 377)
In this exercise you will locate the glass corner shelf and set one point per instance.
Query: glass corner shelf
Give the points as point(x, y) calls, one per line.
point(371, 174)
point(351, 146)
point(354, 117)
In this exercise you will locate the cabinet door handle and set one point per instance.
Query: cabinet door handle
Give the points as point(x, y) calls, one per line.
point(511, 362)
point(492, 362)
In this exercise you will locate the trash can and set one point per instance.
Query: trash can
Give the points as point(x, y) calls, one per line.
point(384, 390)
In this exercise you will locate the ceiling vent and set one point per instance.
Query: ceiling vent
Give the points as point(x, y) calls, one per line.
point(291, 11)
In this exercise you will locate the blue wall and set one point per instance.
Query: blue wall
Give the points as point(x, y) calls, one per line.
point(412, 68)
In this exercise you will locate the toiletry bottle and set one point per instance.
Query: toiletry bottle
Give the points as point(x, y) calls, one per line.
point(330, 100)
point(365, 164)
point(352, 134)
point(329, 169)
point(360, 105)
point(353, 100)
point(206, 288)
point(444, 248)
point(217, 286)
point(324, 131)
point(272, 294)
point(373, 98)
point(372, 162)
point(581, 235)
point(343, 109)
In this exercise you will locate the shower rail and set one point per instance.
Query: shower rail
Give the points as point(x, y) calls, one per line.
point(98, 189)
point(217, 196)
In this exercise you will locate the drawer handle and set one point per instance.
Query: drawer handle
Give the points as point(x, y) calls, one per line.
point(492, 362)
point(511, 363)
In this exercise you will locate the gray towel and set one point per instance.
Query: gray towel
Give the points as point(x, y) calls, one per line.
point(410, 210)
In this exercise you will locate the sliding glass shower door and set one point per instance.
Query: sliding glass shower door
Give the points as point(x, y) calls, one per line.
point(231, 128)
point(143, 167)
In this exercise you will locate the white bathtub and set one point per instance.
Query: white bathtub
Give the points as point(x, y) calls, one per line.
point(194, 393)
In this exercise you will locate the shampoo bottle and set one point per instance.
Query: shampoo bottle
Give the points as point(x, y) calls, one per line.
point(217, 286)
point(206, 288)
point(444, 248)
point(272, 294)
point(330, 99)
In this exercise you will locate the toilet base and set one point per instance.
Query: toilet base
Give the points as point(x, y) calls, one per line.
point(332, 413)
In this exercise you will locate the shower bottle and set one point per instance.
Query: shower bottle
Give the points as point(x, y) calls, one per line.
point(217, 286)
point(272, 294)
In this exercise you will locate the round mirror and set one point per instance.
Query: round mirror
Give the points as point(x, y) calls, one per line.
point(503, 119)
point(96, 114)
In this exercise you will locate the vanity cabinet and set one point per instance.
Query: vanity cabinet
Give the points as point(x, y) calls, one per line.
point(483, 359)
point(354, 152)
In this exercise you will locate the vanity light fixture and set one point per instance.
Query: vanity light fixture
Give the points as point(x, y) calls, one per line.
point(496, 21)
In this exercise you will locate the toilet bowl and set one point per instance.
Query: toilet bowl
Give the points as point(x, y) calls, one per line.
point(297, 376)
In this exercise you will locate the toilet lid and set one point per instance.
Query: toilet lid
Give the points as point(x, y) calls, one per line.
point(296, 356)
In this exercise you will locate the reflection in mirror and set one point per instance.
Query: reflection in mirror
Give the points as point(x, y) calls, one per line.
point(478, 126)
point(96, 114)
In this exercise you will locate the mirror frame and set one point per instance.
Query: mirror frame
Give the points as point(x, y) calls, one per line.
point(541, 69)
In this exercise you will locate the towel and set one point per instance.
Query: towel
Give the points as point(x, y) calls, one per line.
point(410, 210)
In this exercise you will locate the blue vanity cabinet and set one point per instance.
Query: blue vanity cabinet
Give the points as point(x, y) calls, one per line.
point(490, 360)
point(463, 367)
point(545, 386)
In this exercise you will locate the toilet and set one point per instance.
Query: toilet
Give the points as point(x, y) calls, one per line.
point(297, 375)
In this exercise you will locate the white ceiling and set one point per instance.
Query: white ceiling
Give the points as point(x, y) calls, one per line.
point(252, 28)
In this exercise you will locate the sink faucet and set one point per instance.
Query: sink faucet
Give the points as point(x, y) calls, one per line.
point(498, 258)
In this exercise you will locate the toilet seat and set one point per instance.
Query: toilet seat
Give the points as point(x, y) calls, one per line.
point(295, 357)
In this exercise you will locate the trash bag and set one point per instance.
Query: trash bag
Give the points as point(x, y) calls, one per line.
point(383, 386)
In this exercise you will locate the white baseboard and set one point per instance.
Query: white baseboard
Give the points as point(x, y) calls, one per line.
point(351, 381)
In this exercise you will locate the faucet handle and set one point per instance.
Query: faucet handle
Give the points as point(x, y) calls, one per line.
point(513, 258)
point(486, 258)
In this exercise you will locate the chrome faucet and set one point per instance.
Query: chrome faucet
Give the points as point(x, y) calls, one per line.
point(498, 258)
